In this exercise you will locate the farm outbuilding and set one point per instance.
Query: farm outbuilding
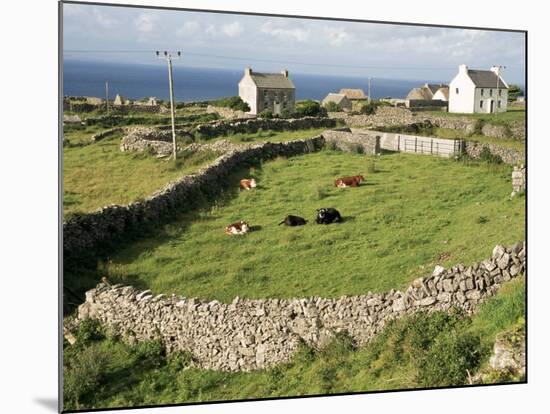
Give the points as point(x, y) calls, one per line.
point(339, 99)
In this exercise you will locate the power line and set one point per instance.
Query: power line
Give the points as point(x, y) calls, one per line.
point(249, 59)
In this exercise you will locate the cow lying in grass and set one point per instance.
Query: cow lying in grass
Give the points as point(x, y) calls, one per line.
point(327, 216)
point(349, 181)
point(291, 220)
point(247, 183)
point(239, 228)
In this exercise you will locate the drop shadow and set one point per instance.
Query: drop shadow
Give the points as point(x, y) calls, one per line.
point(50, 404)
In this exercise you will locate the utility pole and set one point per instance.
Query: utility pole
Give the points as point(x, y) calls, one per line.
point(499, 67)
point(168, 57)
point(369, 90)
point(107, 96)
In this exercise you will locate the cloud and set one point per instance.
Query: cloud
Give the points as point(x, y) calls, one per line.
point(232, 29)
point(337, 36)
point(285, 33)
point(189, 28)
point(103, 19)
point(145, 22)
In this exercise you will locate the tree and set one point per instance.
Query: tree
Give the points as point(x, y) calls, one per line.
point(514, 91)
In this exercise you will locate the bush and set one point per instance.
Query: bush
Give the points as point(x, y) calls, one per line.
point(449, 360)
point(234, 102)
point(83, 374)
point(357, 148)
point(332, 107)
point(266, 114)
point(89, 330)
point(309, 108)
point(368, 109)
point(285, 113)
point(486, 155)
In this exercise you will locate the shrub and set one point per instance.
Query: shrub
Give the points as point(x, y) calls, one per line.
point(449, 360)
point(309, 107)
point(234, 102)
point(368, 109)
point(83, 374)
point(266, 114)
point(152, 352)
point(285, 113)
point(332, 107)
point(89, 330)
point(357, 148)
point(486, 155)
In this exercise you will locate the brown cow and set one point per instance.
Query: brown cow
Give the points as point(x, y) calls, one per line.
point(240, 228)
point(247, 183)
point(349, 181)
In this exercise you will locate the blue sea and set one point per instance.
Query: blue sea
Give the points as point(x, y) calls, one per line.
point(135, 81)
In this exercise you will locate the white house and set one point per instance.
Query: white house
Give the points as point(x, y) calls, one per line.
point(478, 91)
point(267, 91)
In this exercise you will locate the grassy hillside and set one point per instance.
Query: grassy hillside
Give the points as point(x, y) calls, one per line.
point(412, 213)
point(419, 351)
point(98, 174)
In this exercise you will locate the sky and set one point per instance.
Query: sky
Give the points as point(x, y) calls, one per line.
point(130, 35)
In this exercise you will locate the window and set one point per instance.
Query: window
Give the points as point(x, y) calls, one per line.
point(266, 104)
point(481, 104)
point(265, 93)
point(456, 91)
point(498, 104)
point(483, 90)
point(500, 92)
point(490, 92)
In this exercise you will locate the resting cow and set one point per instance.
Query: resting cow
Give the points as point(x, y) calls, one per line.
point(349, 181)
point(247, 183)
point(291, 220)
point(327, 216)
point(240, 228)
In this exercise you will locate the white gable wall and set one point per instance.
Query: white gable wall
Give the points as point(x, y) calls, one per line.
point(439, 96)
point(249, 93)
point(463, 101)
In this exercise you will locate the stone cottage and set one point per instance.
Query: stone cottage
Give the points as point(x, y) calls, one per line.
point(339, 99)
point(478, 91)
point(426, 95)
point(267, 91)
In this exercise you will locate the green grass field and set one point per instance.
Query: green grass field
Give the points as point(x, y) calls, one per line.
point(419, 351)
point(412, 213)
point(504, 142)
point(98, 174)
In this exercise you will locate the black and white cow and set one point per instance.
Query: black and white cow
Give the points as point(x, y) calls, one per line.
point(327, 216)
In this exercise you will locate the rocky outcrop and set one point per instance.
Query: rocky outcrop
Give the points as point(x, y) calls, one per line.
point(140, 139)
point(249, 334)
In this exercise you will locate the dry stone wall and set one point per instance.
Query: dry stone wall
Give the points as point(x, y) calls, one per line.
point(249, 334)
point(509, 155)
point(84, 233)
point(391, 116)
point(250, 126)
point(346, 140)
point(519, 180)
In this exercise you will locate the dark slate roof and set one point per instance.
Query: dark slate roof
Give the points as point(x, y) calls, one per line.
point(271, 80)
point(486, 79)
point(433, 87)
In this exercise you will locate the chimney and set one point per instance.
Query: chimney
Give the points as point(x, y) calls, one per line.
point(248, 71)
point(285, 73)
point(495, 69)
point(463, 69)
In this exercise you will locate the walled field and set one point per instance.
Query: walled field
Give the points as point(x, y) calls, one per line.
point(419, 351)
point(98, 174)
point(412, 213)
